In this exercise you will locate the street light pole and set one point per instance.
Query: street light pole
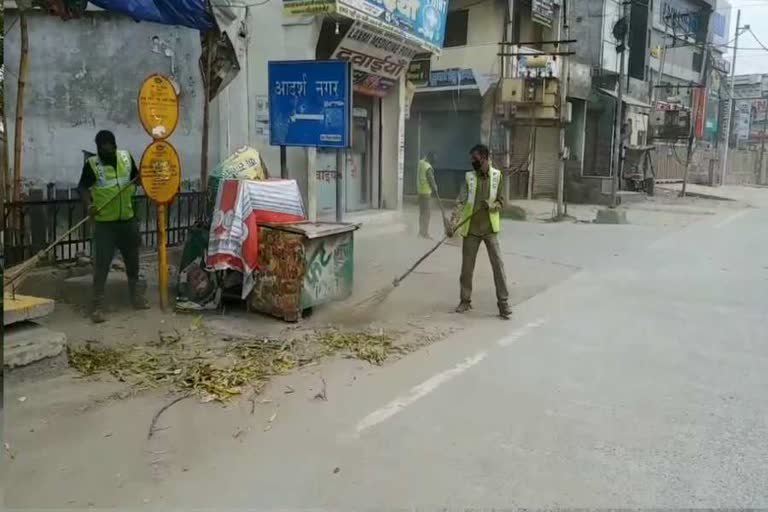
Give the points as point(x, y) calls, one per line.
point(564, 79)
point(731, 88)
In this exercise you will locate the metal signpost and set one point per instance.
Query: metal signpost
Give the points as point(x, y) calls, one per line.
point(310, 105)
point(160, 168)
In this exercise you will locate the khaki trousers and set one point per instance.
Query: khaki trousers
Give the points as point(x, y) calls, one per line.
point(424, 214)
point(469, 250)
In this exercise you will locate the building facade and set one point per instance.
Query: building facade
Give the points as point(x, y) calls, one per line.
point(84, 76)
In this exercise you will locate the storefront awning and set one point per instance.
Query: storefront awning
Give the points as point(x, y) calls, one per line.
point(629, 100)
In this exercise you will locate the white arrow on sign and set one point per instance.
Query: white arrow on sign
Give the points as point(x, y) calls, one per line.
point(307, 117)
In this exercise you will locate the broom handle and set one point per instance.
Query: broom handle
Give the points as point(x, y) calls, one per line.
point(442, 210)
point(14, 276)
point(398, 280)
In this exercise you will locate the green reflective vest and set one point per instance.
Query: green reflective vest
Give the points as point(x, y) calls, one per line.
point(424, 187)
point(109, 182)
point(471, 177)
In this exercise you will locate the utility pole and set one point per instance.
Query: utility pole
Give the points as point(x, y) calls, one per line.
point(564, 78)
point(762, 148)
point(731, 88)
point(617, 139)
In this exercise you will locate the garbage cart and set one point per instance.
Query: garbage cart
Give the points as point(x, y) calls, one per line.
point(301, 266)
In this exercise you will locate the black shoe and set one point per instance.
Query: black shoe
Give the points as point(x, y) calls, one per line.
point(505, 312)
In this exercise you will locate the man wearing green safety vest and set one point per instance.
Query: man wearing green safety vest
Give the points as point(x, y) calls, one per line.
point(107, 186)
point(481, 200)
point(425, 174)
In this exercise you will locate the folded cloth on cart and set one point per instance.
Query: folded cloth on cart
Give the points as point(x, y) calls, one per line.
point(241, 205)
point(243, 164)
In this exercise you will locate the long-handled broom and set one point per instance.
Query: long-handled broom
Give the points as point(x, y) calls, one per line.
point(20, 271)
point(381, 295)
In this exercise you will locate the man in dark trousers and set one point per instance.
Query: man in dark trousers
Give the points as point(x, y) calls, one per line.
point(107, 186)
point(481, 200)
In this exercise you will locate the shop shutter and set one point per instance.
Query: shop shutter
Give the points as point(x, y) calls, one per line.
point(547, 162)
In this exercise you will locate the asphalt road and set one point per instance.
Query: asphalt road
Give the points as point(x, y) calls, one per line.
point(640, 381)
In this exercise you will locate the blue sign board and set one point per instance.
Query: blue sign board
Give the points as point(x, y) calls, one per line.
point(310, 103)
point(422, 21)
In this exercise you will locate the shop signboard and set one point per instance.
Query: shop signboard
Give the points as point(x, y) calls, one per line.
point(421, 22)
point(542, 12)
point(452, 78)
point(310, 103)
point(378, 59)
point(419, 70)
point(293, 7)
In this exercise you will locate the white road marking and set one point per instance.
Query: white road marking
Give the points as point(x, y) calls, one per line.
point(516, 335)
point(417, 392)
point(428, 386)
point(731, 218)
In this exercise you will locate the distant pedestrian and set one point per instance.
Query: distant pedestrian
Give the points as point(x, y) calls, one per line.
point(112, 173)
point(426, 187)
point(482, 199)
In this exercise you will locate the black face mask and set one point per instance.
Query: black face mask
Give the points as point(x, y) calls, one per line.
point(476, 165)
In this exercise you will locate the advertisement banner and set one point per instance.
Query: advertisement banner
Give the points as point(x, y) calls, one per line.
point(757, 119)
point(420, 21)
point(742, 119)
point(378, 59)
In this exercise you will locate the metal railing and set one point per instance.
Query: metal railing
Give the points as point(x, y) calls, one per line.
point(31, 225)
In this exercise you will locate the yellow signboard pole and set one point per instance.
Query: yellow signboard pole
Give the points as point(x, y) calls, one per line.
point(160, 168)
point(162, 254)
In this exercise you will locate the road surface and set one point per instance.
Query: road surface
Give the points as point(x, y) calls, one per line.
point(639, 381)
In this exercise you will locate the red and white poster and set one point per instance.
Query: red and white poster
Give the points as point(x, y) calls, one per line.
point(241, 206)
point(378, 60)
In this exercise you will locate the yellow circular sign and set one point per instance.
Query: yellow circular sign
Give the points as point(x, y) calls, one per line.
point(160, 172)
point(158, 106)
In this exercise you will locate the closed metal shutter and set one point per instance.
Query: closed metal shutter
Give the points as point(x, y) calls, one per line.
point(547, 163)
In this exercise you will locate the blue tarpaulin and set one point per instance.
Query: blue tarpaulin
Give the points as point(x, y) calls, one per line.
point(187, 13)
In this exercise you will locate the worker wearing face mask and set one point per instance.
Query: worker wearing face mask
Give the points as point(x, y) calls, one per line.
point(481, 200)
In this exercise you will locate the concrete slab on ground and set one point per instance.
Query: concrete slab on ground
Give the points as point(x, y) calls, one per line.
point(21, 308)
point(29, 342)
point(611, 216)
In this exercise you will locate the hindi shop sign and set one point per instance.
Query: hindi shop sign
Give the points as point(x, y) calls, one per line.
point(310, 103)
point(420, 21)
point(378, 60)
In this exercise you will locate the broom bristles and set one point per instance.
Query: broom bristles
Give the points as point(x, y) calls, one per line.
point(376, 298)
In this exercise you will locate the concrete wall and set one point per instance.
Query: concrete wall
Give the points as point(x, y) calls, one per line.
point(586, 18)
point(485, 28)
point(84, 76)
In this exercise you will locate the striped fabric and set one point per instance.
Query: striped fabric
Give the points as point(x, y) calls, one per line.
point(241, 206)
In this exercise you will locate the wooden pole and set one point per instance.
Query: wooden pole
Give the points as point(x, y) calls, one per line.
point(162, 255)
point(18, 141)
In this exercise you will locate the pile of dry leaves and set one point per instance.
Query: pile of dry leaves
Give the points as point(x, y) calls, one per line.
point(219, 370)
